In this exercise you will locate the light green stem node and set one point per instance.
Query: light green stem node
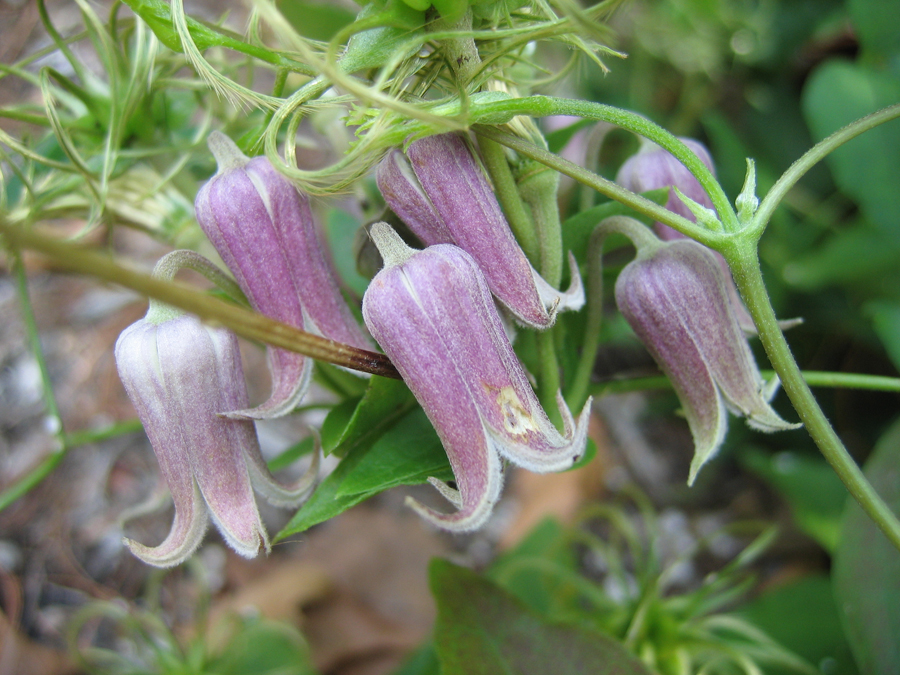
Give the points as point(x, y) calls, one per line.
point(172, 263)
point(228, 155)
point(394, 251)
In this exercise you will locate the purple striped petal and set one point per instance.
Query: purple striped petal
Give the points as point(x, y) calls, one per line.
point(432, 313)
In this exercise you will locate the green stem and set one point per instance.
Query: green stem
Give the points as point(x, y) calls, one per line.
point(42, 470)
point(244, 322)
point(508, 195)
point(539, 188)
point(549, 381)
point(641, 237)
point(604, 186)
point(810, 158)
point(814, 378)
point(743, 259)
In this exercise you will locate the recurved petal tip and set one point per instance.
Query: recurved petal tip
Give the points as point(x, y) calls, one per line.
point(187, 532)
point(278, 494)
point(473, 512)
point(291, 375)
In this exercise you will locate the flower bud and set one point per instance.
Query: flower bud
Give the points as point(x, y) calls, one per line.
point(653, 168)
point(263, 229)
point(432, 313)
point(180, 375)
point(441, 192)
point(675, 298)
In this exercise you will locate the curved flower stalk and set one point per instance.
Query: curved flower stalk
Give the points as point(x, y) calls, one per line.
point(432, 313)
point(653, 168)
point(439, 190)
point(180, 375)
point(263, 229)
point(674, 296)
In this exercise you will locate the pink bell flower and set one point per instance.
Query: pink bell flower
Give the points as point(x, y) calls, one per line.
point(432, 313)
point(263, 229)
point(441, 192)
point(180, 375)
point(675, 298)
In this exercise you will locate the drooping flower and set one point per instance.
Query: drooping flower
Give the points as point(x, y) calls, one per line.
point(675, 298)
point(441, 192)
point(180, 375)
point(432, 313)
point(263, 229)
point(653, 168)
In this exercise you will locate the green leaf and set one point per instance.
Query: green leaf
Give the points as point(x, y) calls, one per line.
point(158, 15)
point(263, 647)
point(408, 454)
point(803, 617)
point(324, 503)
point(875, 23)
point(315, 20)
point(866, 568)
point(837, 93)
point(812, 489)
point(523, 571)
point(336, 422)
point(385, 402)
point(342, 228)
point(482, 630)
point(292, 454)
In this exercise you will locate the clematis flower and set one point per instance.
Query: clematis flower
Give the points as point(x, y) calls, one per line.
point(263, 229)
point(675, 298)
point(653, 168)
point(441, 192)
point(432, 313)
point(180, 375)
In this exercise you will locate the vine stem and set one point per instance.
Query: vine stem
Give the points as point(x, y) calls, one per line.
point(246, 323)
point(743, 259)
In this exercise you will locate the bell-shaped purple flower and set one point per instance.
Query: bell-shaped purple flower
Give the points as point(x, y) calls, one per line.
point(441, 192)
point(653, 168)
point(263, 229)
point(675, 298)
point(432, 313)
point(180, 375)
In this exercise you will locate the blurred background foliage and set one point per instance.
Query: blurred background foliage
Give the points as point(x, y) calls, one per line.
point(764, 79)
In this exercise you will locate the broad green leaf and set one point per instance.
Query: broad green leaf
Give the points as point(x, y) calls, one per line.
point(385, 402)
point(482, 630)
point(875, 23)
point(336, 422)
point(314, 19)
point(324, 503)
point(409, 453)
point(803, 617)
point(263, 647)
point(812, 489)
point(342, 228)
point(523, 571)
point(866, 568)
point(858, 254)
point(837, 93)
point(406, 453)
